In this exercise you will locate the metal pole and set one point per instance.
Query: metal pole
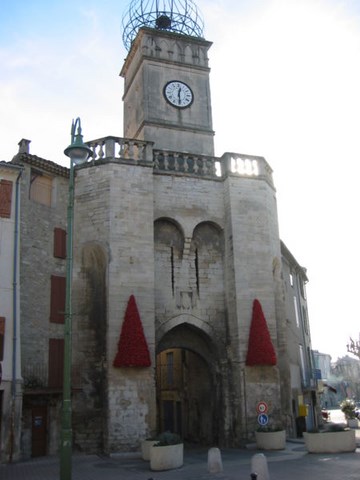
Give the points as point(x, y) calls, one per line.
point(66, 432)
point(78, 153)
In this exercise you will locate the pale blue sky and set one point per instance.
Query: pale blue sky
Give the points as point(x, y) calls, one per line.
point(285, 83)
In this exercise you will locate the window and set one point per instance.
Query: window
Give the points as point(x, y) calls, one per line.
point(59, 243)
point(5, 198)
point(305, 320)
point(40, 188)
point(302, 363)
point(57, 299)
point(56, 362)
point(296, 312)
point(291, 278)
point(302, 289)
point(2, 337)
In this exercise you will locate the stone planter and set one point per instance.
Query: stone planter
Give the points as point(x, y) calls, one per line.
point(271, 440)
point(353, 422)
point(166, 457)
point(330, 442)
point(146, 445)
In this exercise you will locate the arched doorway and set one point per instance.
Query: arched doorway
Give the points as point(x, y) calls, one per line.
point(185, 387)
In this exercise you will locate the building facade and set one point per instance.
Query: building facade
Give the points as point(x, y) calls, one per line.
point(193, 238)
point(304, 398)
point(10, 370)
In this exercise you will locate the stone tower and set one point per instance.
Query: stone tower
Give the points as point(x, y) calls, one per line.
point(167, 93)
point(193, 237)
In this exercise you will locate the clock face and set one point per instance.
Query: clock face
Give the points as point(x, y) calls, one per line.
point(178, 94)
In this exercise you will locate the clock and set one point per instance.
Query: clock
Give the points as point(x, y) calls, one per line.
point(178, 94)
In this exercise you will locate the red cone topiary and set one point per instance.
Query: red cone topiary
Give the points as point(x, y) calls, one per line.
point(260, 348)
point(133, 350)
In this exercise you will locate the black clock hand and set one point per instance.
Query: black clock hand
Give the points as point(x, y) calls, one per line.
point(179, 95)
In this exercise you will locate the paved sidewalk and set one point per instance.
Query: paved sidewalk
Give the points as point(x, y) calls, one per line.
point(293, 463)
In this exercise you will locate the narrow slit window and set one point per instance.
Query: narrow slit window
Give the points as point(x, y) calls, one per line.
point(172, 270)
point(197, 271)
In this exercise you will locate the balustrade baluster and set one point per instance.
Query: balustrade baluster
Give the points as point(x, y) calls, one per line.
point(204, 166)
point(196, 165)
point(186, 164)
point(131, 149)
point(142, 151)
point(93, 146)
point(156, 161)
point(101, 150)
point(121, 147)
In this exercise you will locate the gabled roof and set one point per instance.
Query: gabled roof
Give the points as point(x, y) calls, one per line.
point(41, 163)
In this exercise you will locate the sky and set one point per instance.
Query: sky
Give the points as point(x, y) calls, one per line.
point(285, 84)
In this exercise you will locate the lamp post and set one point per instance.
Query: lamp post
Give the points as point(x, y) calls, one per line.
point(78, 153)
point(354, 347)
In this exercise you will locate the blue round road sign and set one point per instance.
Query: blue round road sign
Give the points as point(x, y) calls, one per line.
point(263, 419)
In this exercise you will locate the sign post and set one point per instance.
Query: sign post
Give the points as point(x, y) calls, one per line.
point(262, 409)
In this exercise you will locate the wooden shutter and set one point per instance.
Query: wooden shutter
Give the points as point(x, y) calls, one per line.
point(57, 300)
point(5, 198)
point(59, 242)
point(40, 188)
point(56, 362)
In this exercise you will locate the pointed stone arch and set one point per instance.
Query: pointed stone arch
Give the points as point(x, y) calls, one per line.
point(190, 406)
point(169, 247)
point(202, 327)
point(207, 249)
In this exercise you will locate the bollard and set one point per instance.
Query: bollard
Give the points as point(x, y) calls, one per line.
point(259, 465)
point(214, 461)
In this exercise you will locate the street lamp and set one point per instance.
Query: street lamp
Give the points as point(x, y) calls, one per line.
point(354, 347)
point(78, 153)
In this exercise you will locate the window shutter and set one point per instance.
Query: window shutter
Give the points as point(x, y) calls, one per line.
point(5, 198)
point(40, 188)
point(59, 242)
point(57, 300)
point(56, 362)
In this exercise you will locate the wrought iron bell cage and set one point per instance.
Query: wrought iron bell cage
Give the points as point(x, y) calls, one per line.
point(179, 16)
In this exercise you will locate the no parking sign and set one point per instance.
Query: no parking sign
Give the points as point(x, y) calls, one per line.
point(261, 407)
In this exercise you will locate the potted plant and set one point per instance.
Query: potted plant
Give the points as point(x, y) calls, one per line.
point(167, 452)
point(348, 408)
point(335, 438)
point(270, 438)
point(146, 445)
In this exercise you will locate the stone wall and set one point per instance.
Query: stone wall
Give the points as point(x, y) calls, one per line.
point(115, 218)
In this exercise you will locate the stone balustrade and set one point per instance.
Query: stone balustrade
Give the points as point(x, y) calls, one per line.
point(239, 164)
point(122, 148)
point(165, 161)
point(186, 163)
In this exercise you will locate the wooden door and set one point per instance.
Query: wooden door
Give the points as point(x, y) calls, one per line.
point(39, 431)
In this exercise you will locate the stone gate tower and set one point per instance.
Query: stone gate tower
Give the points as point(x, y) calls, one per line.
point(193, 237)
